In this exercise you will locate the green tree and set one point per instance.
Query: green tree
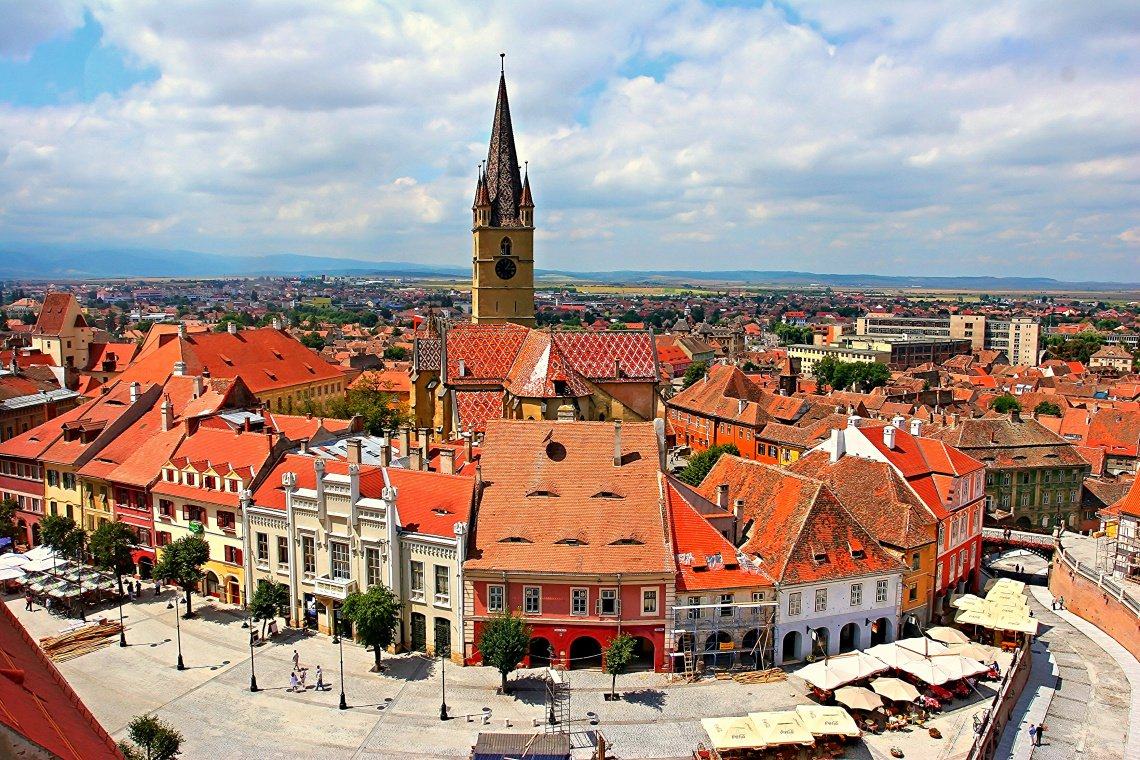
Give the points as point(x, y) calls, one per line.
point(695, 372)
point(617, 658)
point(111, 546)
point(504, 642)
point(396, 353)
point(9, 528)
point(61, 534)
point(313, 340)
point(1048, 409)
point(181, 563)
point(790, 335)
point(1005, 404)
point(152, 739)
point(700, 465)
point(375, 614)
point(270, 599)
point(377, 407)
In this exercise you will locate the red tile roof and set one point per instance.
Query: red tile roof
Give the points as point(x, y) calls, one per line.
point(53, 315)
point(117, 356)
point(800, 530)
point(1117, 432)
point(554, 501)
point(38, 704)
point(705, 559)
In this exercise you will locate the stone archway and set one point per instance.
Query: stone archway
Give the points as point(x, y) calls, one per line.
point(146, 568)
point(213, 585)
point(643, 654)
point(714, 655)
point(585, 652)
point(752, 654)
point(820, 642)
point(849, 638)
point(790, 649)
point(539, 652)
point(880, 631)
point(232, 591)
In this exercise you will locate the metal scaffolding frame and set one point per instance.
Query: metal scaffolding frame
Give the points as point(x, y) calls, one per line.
point(697, 638)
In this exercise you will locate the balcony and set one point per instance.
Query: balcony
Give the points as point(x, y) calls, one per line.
point(333, 588)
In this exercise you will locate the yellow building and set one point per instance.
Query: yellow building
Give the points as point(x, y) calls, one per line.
point(502, 265)
point(200, 493)
point(62, 332)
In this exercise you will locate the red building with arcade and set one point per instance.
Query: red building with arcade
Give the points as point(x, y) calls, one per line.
point(570, 532)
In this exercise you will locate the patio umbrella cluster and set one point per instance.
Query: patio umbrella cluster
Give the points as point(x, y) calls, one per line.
point(801, 727)
point(1004, 608)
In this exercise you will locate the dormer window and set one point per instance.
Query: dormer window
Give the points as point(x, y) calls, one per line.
point(626, 542)
point(542, 492)
point(572, 542)
point(819, 556)
point(856, 548)
point(607, 495)
point(515, 540)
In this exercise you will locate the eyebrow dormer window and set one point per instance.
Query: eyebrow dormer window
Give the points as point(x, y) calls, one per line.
point(515, 540)
point(626, 542)
point(607, 495)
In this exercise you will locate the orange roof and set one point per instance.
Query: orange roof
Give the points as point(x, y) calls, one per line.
point(37, 703)
point(727, 393)
point(53, 316)
point(705, 559)
point(554, 501)
point(265, 359)
point(799, 530)
point(1130, 504)
point(1118, 432)
point(116, 355)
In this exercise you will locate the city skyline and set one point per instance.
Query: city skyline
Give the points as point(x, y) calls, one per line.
point(905, 140)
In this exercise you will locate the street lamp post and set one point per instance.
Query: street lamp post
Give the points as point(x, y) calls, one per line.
point(122, 628)
point(173, 605)
point(339, 641)
point(252, 673)
point(443, 682)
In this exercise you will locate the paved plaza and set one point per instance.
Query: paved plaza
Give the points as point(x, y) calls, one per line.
point(396, 714)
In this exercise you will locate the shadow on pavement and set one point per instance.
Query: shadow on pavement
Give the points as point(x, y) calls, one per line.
point(654, 698)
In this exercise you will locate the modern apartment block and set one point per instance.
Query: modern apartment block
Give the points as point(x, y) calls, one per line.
point(1017, 337)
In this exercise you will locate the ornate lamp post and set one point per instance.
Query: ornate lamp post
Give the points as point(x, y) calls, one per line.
point(339, 641)
point(173, 605)
point(122, 628)
point(443, 655)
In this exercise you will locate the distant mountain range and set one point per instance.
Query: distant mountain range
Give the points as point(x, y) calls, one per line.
point(44, 263)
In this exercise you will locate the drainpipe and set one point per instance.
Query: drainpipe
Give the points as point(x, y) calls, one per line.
point(289, 483)
point(245, 499)
point(460, 529)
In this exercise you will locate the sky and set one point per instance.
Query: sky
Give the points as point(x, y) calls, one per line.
point(914, 138)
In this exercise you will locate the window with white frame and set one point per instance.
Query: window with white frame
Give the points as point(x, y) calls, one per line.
point(726, 605)
point(309, 555)
point(338, 559)
point(649, 601)
point(795, 603)
point(880, 591)
point(856, 594)
point(820, 600)
point(495, 597)
point(372, 565)
point(442, 585)
point(532, 600)
point(694, 602)
point(416, 579)
point(579, 601)
point(282, 550)
point(263, 547)
point(608, 602)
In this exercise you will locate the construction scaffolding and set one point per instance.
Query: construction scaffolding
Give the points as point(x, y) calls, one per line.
point(557, 701)
point(721, 637)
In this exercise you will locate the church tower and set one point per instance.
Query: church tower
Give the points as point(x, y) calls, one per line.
point(502, 273)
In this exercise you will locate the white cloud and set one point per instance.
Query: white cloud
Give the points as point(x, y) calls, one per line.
point(861, 136)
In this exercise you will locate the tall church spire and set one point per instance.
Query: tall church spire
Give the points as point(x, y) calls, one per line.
point(503, 180)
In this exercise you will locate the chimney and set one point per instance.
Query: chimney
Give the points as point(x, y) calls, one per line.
point(1015, 415)
point(889, 436)
point(134, 392)
point(205, 372)
point(617, 443)
point(414, 462)
point(405, 441)
point(231, 328)
point(722, 496)
point(167, 411)
point(853, 421)
point(447, 461)
point(898, 421)
point(385, 452)
point(916, 428)
point(467, 453)
point(954, 420)
point(424, 454)
point(462, 368)
point(181, 329)
point(304, 445)
point(837, 445)
point(737, 519)
point(179, 369)
point(199, 386)
point(353, 448)
point(276, 323)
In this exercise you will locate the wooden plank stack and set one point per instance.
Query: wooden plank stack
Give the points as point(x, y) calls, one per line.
point(771, 675)
point(80, 641)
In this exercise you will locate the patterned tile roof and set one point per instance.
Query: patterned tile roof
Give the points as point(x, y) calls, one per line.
point(610, 355)
point(476, 407)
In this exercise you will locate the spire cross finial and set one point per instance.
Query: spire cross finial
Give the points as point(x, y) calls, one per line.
point(502, 63)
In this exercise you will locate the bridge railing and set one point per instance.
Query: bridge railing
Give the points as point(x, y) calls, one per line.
point(1103, 581)
point(1017, 536)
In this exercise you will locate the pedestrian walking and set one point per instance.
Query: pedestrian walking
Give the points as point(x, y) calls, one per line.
point(157, 586)
point(28, 600)
point(1033, 734)
point(293, 681)
point(296, 660)
point(138, 589)
point(1061, 603)
point(1040, 733)
point(320, 679)
point(304, 671)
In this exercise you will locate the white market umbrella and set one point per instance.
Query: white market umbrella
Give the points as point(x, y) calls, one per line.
point(947, 635)
point(980, 652)
point(895, 688)
point(858, 698)
point(13, 560)
point(11, 573)
point(825, 720)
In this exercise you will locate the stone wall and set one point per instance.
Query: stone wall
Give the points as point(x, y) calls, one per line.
point(1098, 600)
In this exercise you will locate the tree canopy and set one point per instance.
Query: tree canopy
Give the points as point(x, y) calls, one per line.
point(1005, 404)
point(700, 464)
point(378, 408)
point(151, 739)
point(1074, 348)
point(60, 533)
point(695, 372)
point(270, 599)
point(790, 335)
point(617, 657)
point(1048, 409)
point(860, 376)
point(9, 528)
point(375, 613)
point(504, 642)
point(111, 546)
point(181, 562)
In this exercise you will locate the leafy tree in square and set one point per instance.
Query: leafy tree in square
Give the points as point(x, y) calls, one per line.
point(181, 563)
point(375, 614)
point(504, 642)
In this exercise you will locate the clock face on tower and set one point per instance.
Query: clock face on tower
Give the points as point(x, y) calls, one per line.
point(505, 268)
